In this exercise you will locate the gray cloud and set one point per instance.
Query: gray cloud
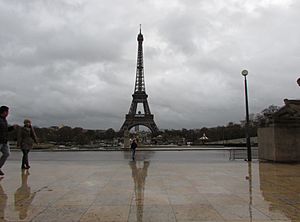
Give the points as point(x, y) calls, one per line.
point(73, 62)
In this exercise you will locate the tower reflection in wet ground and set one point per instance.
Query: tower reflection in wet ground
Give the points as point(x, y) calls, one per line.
point(159, 186)
point(139, 174)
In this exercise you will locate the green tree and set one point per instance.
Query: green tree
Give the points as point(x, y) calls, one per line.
point(109, 134)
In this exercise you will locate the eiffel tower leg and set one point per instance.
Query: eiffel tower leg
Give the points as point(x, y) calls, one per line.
point(146, 108)
point(133, 107)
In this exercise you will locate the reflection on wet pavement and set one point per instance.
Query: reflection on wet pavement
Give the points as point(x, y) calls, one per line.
point(139, 174)
point(149, 189)
point(23, 196)
point(3, 200)
point(280, 187)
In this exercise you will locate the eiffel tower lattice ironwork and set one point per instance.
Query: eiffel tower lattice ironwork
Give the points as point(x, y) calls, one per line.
point(134, 118)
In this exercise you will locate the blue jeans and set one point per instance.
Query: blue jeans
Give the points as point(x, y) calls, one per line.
point(4, 148)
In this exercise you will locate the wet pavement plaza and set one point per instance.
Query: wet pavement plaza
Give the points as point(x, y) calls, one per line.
point(158, 186)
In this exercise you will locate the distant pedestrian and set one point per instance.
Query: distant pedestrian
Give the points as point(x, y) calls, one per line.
point(133, 148)
point(26, 138)
point(4, 129)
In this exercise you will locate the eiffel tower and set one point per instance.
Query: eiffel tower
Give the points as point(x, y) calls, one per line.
point(134, 118)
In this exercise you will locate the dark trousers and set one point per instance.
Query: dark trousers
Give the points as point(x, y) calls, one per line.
point(25, 157)
point(133, 153)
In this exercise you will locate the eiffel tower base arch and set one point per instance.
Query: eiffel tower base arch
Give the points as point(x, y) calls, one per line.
point(144, 120)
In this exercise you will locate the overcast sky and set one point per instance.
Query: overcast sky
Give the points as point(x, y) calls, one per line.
point(73, 62)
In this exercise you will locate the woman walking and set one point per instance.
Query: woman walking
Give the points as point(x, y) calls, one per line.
point(26, 138)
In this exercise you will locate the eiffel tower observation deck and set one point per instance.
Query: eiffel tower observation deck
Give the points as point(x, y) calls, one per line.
point(134, 117)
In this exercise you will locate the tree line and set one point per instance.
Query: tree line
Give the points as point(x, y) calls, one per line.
point(69, 135)
point(77, 135)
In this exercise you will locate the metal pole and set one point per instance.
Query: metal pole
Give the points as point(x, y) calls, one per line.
point(249, 157)
point(250, 191)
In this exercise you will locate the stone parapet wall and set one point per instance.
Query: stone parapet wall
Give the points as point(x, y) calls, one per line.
point(280, 144)
point(279, 138)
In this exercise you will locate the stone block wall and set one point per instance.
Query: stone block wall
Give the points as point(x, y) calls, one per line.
point(280, 143)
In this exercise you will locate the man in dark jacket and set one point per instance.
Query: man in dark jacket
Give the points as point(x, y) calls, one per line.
point(4, 129)
point(133, 147)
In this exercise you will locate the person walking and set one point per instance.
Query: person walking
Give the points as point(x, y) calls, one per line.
point(4, 129)
point(133, 148)
point(26, 138)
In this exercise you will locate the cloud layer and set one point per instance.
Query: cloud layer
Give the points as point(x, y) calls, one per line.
point(73, 62)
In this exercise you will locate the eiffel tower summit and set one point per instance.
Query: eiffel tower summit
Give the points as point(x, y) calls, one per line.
point(134, 117)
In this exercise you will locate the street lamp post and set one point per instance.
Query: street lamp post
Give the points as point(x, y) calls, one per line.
point(249, 157)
